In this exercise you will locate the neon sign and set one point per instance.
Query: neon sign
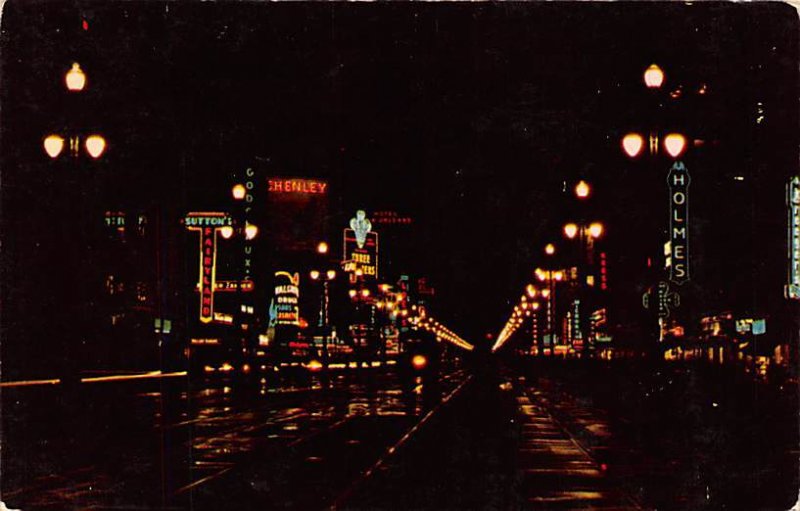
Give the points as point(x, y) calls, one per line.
point(287, 298)
point(792, 290)
point(361, 260)
point(678, 180)
point(361, 226)
point(390, 218)
point(301, 186)
point(207, 224)
point(249, 185)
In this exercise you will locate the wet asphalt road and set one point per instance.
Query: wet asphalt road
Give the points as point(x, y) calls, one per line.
point(565, 435)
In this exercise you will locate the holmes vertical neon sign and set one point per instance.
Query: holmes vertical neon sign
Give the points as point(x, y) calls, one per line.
point(207, 224)
point(792, 290)
point(678, 180)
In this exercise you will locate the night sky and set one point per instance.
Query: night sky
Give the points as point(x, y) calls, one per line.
point(468, 117)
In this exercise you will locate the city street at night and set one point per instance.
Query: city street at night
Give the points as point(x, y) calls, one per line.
point(416, 255)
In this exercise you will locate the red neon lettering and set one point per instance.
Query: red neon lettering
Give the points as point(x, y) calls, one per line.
point(206, 311)
point(207, 260)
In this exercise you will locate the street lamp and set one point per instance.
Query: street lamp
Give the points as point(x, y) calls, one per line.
point(53, 145)
point(582, 189)
point(75, 78)
point(632, 144)
point(675, 144)
point(322, 248)
point(238, 191)
point(549, 249)
point(323, 309)
point(250, 231)
point(653, 77)
point(95, 145)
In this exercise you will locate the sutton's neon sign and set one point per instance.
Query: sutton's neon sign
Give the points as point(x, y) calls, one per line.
point(208, 225)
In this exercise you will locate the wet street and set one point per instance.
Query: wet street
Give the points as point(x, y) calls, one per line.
point(535, 436)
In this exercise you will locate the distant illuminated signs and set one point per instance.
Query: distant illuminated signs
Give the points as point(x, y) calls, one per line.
point(287, 298)
point(297, 186)
point(664, 298)
point(754, 326)
point(603, 271)
point(115, 219)
point(390, 218)
point(207, 224)
point(577, 334)
point(678, 180)
point(228, 286)
point(361, 226)
point(792, 290)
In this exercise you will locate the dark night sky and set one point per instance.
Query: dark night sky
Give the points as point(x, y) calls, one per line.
point(468, 116)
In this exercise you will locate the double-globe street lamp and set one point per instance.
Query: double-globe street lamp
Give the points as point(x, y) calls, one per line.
point(325, 277)
point(94, 144)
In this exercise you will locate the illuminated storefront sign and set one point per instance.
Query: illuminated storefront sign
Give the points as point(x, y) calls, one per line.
point(301, 186)
point(792, 290)
point(678, 259)
point(287, 298)
point(361, 248)
point(208, 225)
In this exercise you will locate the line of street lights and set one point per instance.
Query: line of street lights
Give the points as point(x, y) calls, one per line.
point(633, 145)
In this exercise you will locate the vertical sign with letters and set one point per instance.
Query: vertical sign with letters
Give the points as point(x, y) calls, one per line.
point(793, 205)
point(678, 180)
point(207, 224)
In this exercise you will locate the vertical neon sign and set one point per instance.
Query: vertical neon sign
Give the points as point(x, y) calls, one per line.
point(678, 180)
point(207, 224)
point(792, 290)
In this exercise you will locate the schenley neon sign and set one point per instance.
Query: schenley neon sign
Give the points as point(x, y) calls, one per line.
point(207, 224)
point(678, 180)
point(792, 290)
point(303, 186)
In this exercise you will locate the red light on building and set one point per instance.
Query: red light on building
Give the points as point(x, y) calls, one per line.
point(604, 271)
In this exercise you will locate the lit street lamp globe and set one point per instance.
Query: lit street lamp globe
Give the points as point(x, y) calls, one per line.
point(582, 189)
point(238, 191)
point(95, 145)
point(632, 144)
point(75, 78)
point(653, 77)
point(570, 230)
point(596, 229)
point(549, 249)
point(675, 144)
point(53, 145)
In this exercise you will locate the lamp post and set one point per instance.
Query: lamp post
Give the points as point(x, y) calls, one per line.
point(324, 324)
point(661, 139)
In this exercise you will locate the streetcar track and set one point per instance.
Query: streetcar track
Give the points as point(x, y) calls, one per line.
point(391, 451)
